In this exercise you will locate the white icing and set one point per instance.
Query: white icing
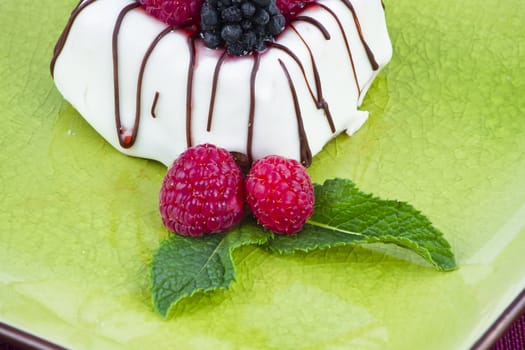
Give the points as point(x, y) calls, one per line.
point(84, 75)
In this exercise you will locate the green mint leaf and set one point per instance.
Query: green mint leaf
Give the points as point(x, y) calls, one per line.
point(183, 266)
point(346, 216)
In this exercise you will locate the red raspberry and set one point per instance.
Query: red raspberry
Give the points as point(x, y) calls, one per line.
point(291, 8)
point(202, 192)
point(174, 12)
point(280, 194)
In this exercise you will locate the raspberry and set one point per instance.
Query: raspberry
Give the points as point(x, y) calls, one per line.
point(291, 8)
point(174, 12)
point(202, 192)
point(280, 194)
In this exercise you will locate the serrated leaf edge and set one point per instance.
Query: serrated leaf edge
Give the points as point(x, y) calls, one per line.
point(413, 246)
point(419, 250)
point(166, 314)
point(170, 309)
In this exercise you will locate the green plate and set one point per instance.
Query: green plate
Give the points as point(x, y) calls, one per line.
point(79, 221)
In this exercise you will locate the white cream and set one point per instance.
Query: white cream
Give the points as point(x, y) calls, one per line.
point(84, 75)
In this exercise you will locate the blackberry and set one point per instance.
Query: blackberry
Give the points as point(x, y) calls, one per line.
point(212, 40)
point(231, 32)
point(262, 3)
point(248, 9)
point(241, 26)
point(231, 14)
point(261, 17)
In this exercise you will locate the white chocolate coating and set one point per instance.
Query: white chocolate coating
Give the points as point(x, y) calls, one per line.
point(84, 74)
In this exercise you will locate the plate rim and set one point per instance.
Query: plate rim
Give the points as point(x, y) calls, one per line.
point(499, 327)
point(17, 337)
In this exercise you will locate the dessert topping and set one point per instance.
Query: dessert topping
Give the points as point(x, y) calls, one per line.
point(174, 12)
point(291, 8)
point(202, 192)
point(242, 26)
point(280, 194)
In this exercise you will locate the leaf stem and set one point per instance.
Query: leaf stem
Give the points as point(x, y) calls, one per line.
point(333, 228)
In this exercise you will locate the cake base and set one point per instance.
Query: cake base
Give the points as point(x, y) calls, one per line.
point(152, 90)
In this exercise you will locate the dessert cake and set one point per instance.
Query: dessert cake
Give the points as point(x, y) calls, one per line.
point(152, 89)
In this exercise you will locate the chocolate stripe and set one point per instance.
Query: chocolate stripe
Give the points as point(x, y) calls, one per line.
point(189, 90)
point(125, 138)
point(154, 105)
point(138, 100)
point(214, 89)
point(347, 45)
point(369, 53)
point(251, 115)
point(65, 33)
point(321, 102)
point(304, 147)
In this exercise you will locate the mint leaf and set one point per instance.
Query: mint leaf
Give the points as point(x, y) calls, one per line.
point(183, 266)
point(346, 216)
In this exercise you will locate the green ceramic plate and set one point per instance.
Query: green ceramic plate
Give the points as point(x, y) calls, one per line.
point(79, 222)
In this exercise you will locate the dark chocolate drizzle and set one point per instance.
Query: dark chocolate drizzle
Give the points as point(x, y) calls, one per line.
point(315, 23)
point(369, 52)
point(320, 97)
point(189, 89)
point(305, 152)
point(65, 33)
point(319, 101)
point(127, 137)
point(138, 99)
point(347, 45)
point(214, 89)
point(242, 161)
point(251, 115)
point(154, 105)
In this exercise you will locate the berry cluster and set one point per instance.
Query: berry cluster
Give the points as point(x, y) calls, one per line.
point(204, 192)
point(242, 26)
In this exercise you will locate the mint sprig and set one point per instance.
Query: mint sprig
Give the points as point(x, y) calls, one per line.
point(183, 266)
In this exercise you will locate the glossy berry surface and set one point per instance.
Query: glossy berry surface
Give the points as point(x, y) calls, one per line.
point(203, 192)
point(242, 26)
point(174, 12)
point(280, 194)
point(291, 8)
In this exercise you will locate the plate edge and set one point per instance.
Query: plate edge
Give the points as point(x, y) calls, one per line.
point(502, 323)
point(23, 339)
